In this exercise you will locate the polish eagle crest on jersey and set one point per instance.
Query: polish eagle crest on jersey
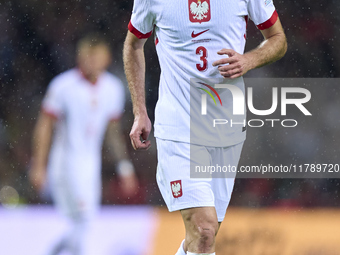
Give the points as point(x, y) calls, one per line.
point(199, 10)
point(176, 188)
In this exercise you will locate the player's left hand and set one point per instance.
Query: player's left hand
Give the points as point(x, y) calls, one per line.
point(140, 132)
point(234, 66)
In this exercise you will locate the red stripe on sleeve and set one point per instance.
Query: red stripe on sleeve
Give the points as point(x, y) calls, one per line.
point(116, 118)
point(138, 34)
point(49, 113)
point(268, 23)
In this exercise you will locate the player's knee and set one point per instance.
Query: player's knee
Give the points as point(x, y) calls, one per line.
point(205, 233)
point(201, 229)
point(206, 236)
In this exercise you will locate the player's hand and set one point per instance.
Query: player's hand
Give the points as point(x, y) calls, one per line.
point(129, 184)
point(234, 66)
point(37, 177)
point(140, 132)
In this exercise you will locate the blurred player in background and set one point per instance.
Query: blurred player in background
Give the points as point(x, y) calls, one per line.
point(202, 39)
point(80, 105)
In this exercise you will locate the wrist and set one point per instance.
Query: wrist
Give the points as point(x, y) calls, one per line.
point(251, 60)
point(140, 111)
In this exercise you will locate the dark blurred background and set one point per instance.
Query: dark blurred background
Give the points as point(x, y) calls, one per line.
point(37, 42)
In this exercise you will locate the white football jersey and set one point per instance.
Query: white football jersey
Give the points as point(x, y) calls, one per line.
point(83, 111)
point(188, 35)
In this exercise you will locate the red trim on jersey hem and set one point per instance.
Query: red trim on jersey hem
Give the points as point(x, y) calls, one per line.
point(137, 33)
point(116, 118)
point(50, 113)
point(156, 41)
point(246, 20)
point(269, 22)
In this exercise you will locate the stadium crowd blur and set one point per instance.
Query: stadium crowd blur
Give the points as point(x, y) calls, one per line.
point(37, 42)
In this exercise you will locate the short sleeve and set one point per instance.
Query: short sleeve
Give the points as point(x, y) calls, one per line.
point(52, 103)
point(118, 103)
point(262, 13)
point(142, 19)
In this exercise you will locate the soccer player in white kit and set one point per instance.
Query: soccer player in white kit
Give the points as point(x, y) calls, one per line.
point(200, 39)
point(80, 104)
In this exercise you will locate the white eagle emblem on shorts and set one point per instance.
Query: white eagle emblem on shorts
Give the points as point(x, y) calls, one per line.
point(176, 188)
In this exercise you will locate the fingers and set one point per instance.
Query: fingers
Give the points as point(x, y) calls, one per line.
point(139, 133)
point(228, 52)
point(230, 71)
point(145, 135)
point(231, 67)
point(236, 75)
point(224, 61)
point(139, 144)
point(231, 53)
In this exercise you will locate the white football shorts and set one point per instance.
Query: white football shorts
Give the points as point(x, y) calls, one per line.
point(182, 192)
point(76, 194)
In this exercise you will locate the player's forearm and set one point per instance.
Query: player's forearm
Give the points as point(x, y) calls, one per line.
point(125, 166)
point(41, 141)
point(119, 149)
point(134, 65)
point(116, 141)
point(269, 51)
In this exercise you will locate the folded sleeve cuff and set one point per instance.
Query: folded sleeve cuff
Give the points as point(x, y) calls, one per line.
point(137, 33)
point(50, 113)
point(271, 21)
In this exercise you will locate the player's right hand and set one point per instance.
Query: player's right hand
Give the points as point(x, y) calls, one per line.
point(140, 132)
point(37, 177)
point(235, 65)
